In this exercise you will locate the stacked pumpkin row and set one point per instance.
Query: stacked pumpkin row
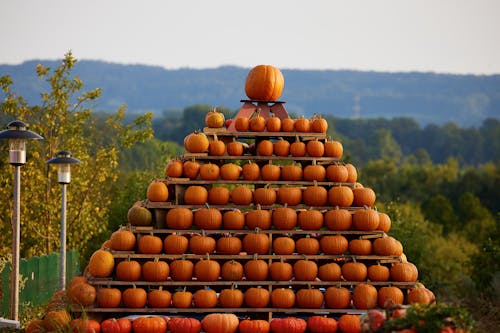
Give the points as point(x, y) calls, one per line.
point(251, 171)
point(198, 143)
point(189, 241)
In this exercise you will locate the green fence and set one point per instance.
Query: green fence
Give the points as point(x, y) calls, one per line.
point(39, 279)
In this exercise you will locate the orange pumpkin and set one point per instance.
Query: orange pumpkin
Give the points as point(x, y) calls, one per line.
point(280, 271)
point(241, 124)
point(283, 298)
point(209, 171)
point(354, 271)
point(337, 173)
point(157, 191)
point(101, 264)
point(150, 244)
point(256, 270)
point(208, 218)
point(155, 270)
point(233, 219)
point(283, 245)
point(338, 219)
point(291, 172)
point(108, 297)
point(284, 218)
point(281, 148)
point(337, 298)
point(257, 122)
point(333, 149)
point(307, 245)
point(305, 270)
point(218, 195)
point(315, 148)
point(264, 196)
point(314, 172)
point(179, 218)
point(341, 196)
point(349, 323)
point(378, 273)
point(334, 244)
point(216, 147)
point(181, 270)
point(205, 298)
point(128, 270)
point(390, 296)
point(270, 172)
point(264, 82)
point(234, 148)
point(273, 124)
point(330, 272)
point(319, 124)
point(195, 195)
point(289, 195)
point(257, 297)
point(250, 171)
point(298, 148)
point(231, 271)
point(302, 124)
point(196, 142)
point(309, 298)
point(241, 195)
point(134, 297)
point(231, 298)
point(258, 218)
point(288, 125)
point(364, 296)
point(230, 171)
point(365, 219)
point(202, 244)
point(174, 168)
point(182, 299)
point(207, 270)
point(310, 219)
point(220, 323)
point(159, 298)
point(256, 243)
point(191, 169)
point(214, 119)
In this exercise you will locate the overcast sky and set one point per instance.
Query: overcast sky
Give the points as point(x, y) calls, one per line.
point(446, 36)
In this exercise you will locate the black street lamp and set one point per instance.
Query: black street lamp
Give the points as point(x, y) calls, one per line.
point(63, 160)
point(17, 133)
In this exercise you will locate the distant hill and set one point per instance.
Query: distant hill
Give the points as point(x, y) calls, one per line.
point(427, 97)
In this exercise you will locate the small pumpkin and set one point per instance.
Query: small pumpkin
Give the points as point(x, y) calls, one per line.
point(149, 325)
point(390, 296)
point(231, 298)
point(341, 196)
point(362, 247)
point(270, 172)
point(384, 223)
point(292, 172)
point(281, 148)
point(352, 173)
point(254, 326)
point(113, 325)
point(229, 245)
point(364, 296)
point(283, 245)
point(321, 324)
point(265, 148)
point(349, 323)
point(134, 297)
point(205, 298)
point(122, 240)
point(337, 297)
point(333, 149)
point(314, 172)
point(83, 294)
point(283, 298)
point(273, 124)
point(216, 147)
point(159, 298)
point(214, 119)
point(280, 271)
point(256, 243)
point(257, 122)
point(220, 323)
point(232, 271)
point(184, 325)
point(338, 219)
point(207, 270)
point(218, 195)
point(233, 219)
point(307, 245)
point(155, 270)
point(195, 195)
point(257, 297)
point(284, 218)
point(208, 218)
point(298, 148)
point(202, 244)
point(258, 218)
point(182, 299)
point(101, 264)
point(250, 171)
point(196, 142)
point(85, 325)
point(175, 244)
point(354, 271)
point(241, 124)
point(289, 195)
point(234, 148)
point(387, 246)
point(309, 298)
point(265, 196)
point(128, 270)
point(150, 244)
point(191, 169)
point(108, 297)
point(404, 272)
point(302, 125)
point(334, 244)
point(363, 196)
point(329, 272)
point(181, 270)
point(241, 195)
point(230, 171)
point(337, 173)
point(319, 124)
point(315, 148)
point(174, 168)
point(209, 171)
point(287, 125)
point(365, 219)
point(316, 196)
point(378, 273)
point(305, 270)
point(264, 82)
point(138, 215)
point(179, 218)
point(288, 325)
point(310, 219)
point(157, 191)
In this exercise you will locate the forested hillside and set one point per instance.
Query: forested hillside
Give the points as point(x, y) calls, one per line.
point(426, 97)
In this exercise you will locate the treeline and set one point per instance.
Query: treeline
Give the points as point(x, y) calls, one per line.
point(371, 139)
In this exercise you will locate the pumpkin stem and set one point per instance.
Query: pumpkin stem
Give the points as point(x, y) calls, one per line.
point(255, 256)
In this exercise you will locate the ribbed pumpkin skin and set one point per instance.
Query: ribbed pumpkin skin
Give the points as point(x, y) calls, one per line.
point(334, 244)
point(231, 271)
point(349, 323)
point(305, 270)
point(284, 218)
point(256, 243)
point(310, 219)
point(354, 271)
point(181, 270)
point(256, 270)
point(220, 323)
point(108, 297)
point(155, 271)
point(341, 196)
point(231, 298)
point(330, 272)
point(207, 270)
point(184, 325)
point(307, 246)
point(264, 82)
point(258, 218)
point(205, 298)
point(233, 220)
point(283, 245)
point(218, 195)
point(364, 296)
point(309, 298)
point(404, 272)
point(283, 298)
point(159, 299)
point(254, 326)
point(280, 271)
point(128, 270)
point(101, 264)
point(390, 296)
point(208, 218)
point(257, 297)
point(365, 220)
point(338, 219)
point(179, 218)
point(337, 298)
point(379, 273)
point(288, 325)
point(320, 324)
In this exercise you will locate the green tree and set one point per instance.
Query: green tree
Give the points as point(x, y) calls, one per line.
point(66, 121)
point(439, 209)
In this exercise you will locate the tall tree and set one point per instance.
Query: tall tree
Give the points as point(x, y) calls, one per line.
point(66, 121)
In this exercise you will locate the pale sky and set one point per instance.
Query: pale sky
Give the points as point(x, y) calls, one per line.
point(445, 36)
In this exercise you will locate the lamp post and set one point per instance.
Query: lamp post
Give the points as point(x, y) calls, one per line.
point(17, 133)
point(63, 160)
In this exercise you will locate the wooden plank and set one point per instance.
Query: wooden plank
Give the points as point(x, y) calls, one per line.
point(302, 135)
point(242, 256)
point(187, 181)
point(204, 156)
point(230, 206)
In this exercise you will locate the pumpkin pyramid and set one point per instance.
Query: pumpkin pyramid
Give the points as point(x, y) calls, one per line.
point(259, 219)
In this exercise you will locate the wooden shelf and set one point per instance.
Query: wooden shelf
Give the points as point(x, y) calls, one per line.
point(106, 282)
point(206, 157)
point(362, 234)
point(230, 206)
point(193, 310)
point(190, 256)
point(221, 132)
point(187, 181)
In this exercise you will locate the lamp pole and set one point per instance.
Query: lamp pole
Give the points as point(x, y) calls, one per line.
point(63, 160)
point(17, 134)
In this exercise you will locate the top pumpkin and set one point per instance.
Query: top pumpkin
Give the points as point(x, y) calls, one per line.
point(265, 83)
